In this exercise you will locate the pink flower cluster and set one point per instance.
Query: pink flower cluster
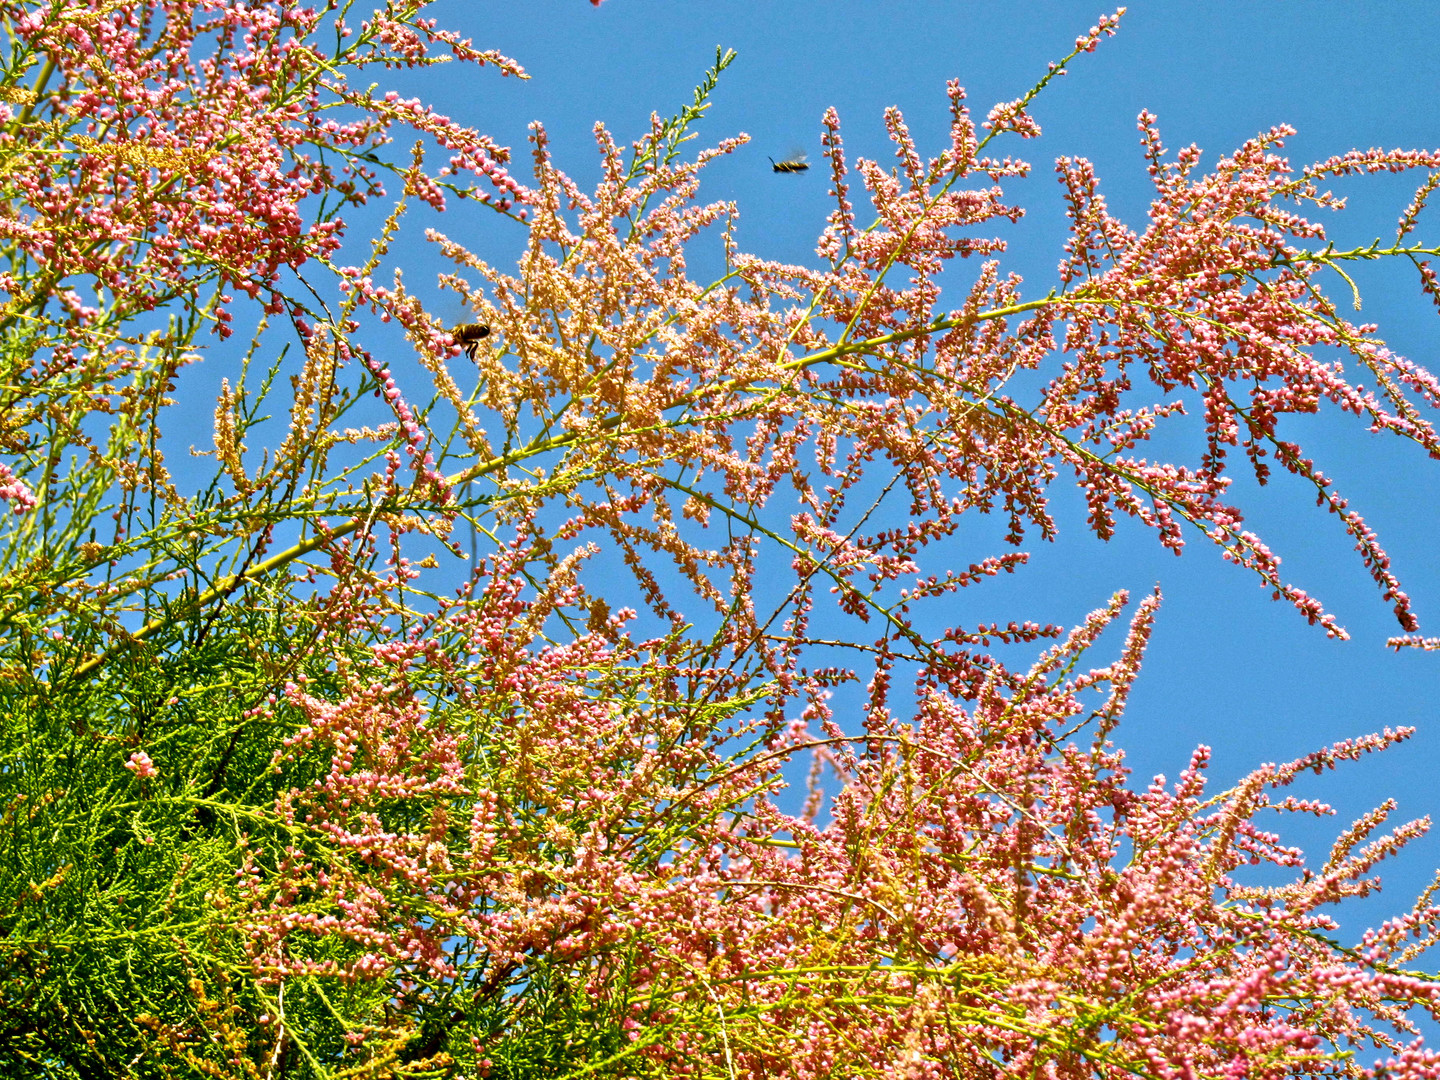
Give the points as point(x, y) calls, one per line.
point(140, 764)
point(987, 885)
point(14, 491)
point(977, 881)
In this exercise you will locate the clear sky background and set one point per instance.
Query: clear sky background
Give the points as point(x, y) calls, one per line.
point(1227, 666)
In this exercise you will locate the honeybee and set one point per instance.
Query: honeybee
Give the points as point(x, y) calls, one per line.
point(795, 163)
point(469, 335)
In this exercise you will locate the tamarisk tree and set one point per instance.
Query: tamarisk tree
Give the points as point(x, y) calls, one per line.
point(281, 800)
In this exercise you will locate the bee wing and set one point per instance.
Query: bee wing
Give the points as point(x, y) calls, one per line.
point(794, 163)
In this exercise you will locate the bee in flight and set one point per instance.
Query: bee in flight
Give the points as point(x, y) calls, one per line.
point(469, 335)
point(795, 163)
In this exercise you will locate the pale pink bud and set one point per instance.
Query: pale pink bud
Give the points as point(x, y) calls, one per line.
point(141, 765)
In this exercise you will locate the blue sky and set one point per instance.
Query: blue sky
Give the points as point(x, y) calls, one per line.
point(1227, 666)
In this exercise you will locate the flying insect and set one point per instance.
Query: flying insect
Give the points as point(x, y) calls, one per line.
point(469, 335)
point(795, 163)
